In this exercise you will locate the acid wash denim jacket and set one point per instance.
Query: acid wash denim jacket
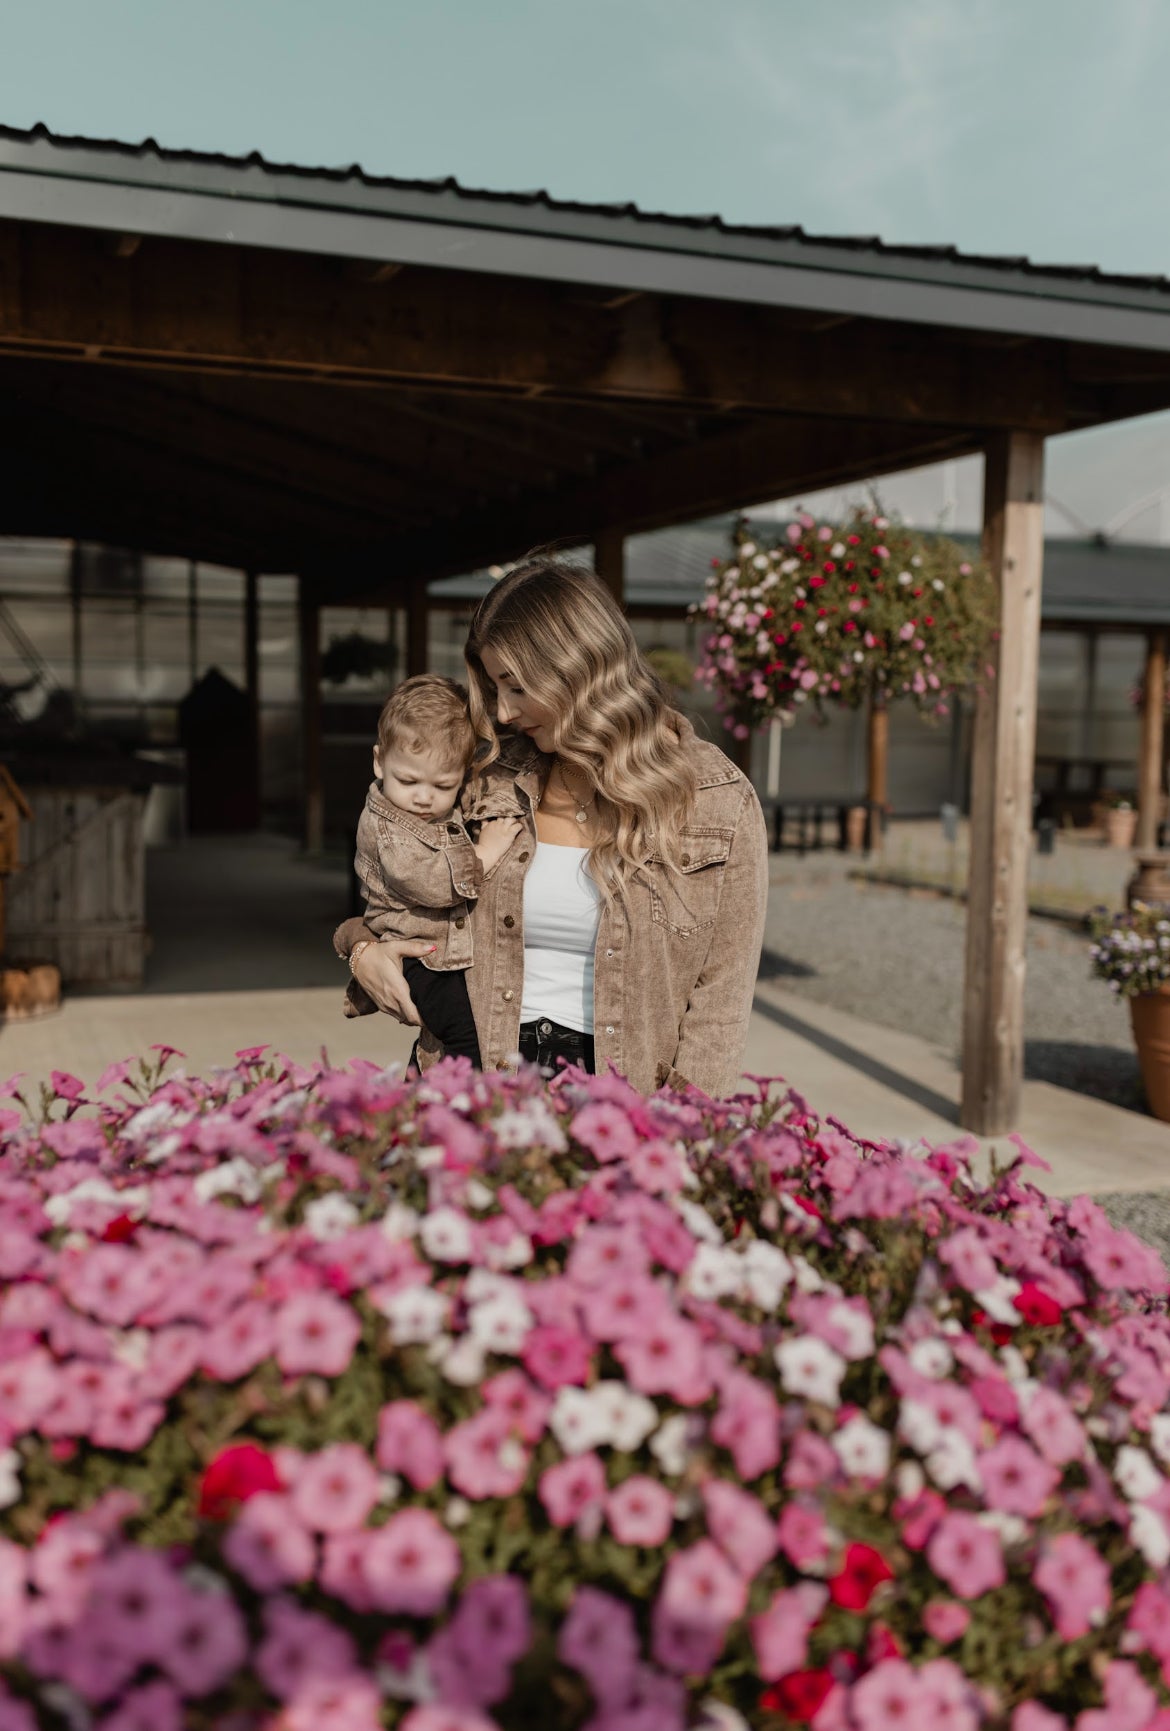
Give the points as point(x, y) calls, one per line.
point(418, 880)
point(677, 954)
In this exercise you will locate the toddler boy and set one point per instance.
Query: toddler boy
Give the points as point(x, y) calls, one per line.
point(418, 867)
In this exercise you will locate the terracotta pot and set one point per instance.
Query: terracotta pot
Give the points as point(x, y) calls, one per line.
point(1150, 1015)
point(1120, 826)
point(855, 828)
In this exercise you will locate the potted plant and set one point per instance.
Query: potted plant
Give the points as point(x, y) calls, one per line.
point(1132, 952)
point(1120, 821)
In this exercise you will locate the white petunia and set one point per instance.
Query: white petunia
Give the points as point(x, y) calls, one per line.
point(765, 1272)
point(399, 1222)
point(578, 1422)
point(699, 1223)
point(857, 1328)
point(236, 1177)
point(1011, 1529)
point(931, 1358)
point(863, 1448)
point(714, 1272)
point(501, 1324)
point(718, 1716)
point(909, 1479)
point(996, 1300)
point(445, 1235)
point(806, 1276)
point(670, 1444)
point(629, 1417)
point(529, 1126)
point(919, 1426)
point(1136, 1475)
point(1147, 1530)
point(9, 1478)
point(810, 1368)
point(330, 1217)
point(462, 1362)
point(953, 1462)
point(514, 1252)
point(416, 1315)
point(478, 1194)
point(1159, 1435)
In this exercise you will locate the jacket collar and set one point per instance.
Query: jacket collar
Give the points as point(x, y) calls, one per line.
point(432, 834)
point(531, 767)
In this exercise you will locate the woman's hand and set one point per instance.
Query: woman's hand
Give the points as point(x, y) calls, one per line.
point(495, 838)
point(378, 971)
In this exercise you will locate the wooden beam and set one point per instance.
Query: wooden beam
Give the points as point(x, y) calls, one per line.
point(763, 460)
point(609, 561)
point(309, 621)
point(263, 312)
point(252, 683)
point(1150, 788)
point(1001, 792)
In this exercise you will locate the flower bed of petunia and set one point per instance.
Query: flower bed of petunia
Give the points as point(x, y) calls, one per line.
point(331, 1400)
point(837, 612)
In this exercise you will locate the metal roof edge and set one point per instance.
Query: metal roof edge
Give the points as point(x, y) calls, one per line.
point(344, 213)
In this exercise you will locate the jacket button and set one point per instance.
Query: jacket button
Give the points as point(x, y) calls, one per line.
point(509, 921)
point(522, 857)
point(609, 954)
point(609, 1030)
point(686, 859)
point(509, 995)
point(461, 922)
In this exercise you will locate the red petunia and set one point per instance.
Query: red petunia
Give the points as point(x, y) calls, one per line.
point(1037, 1307)
point(862, 1573)
point(798, 1696)
point(120, 1229)
point(235, 1474)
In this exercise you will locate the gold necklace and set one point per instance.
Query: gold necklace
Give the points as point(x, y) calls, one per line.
point(582, 803)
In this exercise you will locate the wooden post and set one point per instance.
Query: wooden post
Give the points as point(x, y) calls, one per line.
point(878, 787)
point(309, 619)
point(1002, 768)
point(1153, 731)
point(252, 684)
point(609, 561)
point(418, 615)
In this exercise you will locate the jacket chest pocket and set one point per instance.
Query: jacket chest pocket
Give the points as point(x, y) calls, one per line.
point(686, 901)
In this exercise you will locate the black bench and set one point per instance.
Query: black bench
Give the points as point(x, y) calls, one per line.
point(801, 824)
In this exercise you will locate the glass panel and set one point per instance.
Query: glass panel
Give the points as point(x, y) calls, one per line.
point(109, 651)
point(166, 676)
point(35, 567)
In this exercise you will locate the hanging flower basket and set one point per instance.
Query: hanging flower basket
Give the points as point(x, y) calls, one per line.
point(836, 613)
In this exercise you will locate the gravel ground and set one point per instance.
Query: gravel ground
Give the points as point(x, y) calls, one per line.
point(896, 956)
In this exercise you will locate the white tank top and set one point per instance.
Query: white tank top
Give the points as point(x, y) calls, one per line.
point(562, 908)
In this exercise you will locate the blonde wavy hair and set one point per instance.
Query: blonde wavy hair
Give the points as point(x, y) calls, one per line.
point(563, 636)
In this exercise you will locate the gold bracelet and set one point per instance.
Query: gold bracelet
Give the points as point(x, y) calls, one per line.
point(362, 944)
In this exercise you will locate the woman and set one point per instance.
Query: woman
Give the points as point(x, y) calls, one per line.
point(625, 921)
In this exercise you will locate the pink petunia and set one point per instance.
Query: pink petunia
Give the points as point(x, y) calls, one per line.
point(802, 1534)
point(411, 1564)
point(298, 1647)
point(945, 1620)
point(701, 1595)
point(410, 1443)
point(640, 1512)
point(153, 1706)
point(238, 1343)
point(335, 1489)
point(891, 1697)
point(666, 1358)
point(1074, 1579)
point(747, 1424)
point(1015, 1478)
point(268, 1545)
point(780, 1633)
point(624, 1306)
point(966, 1555)
point(740, 1526)
point(206, 1643)
point(483, 1458)
point(520, 1402)
point(315, 1335)
point(599, 1639)
point(346, 1703)
point(557, 1357)
point(1054, 1427)
point(605, 1130)
point(570, 1488)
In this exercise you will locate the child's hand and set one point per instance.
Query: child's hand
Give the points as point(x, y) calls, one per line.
point(496, 836)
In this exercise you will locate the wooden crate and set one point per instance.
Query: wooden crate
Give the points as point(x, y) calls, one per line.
point(79, 901)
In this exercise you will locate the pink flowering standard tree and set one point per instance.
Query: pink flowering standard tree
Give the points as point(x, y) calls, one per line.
point(335, 1402)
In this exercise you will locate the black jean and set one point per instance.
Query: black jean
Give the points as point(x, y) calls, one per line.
point(544, 1042)
point(445, 1008)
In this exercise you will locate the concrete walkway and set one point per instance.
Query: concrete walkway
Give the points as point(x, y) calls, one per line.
point(241, 957)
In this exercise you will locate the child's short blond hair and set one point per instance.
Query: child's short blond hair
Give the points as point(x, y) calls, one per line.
point(428, 713)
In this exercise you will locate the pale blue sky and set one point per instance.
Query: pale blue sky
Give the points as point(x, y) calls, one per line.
point(1039, 127)
point(1034, 126)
